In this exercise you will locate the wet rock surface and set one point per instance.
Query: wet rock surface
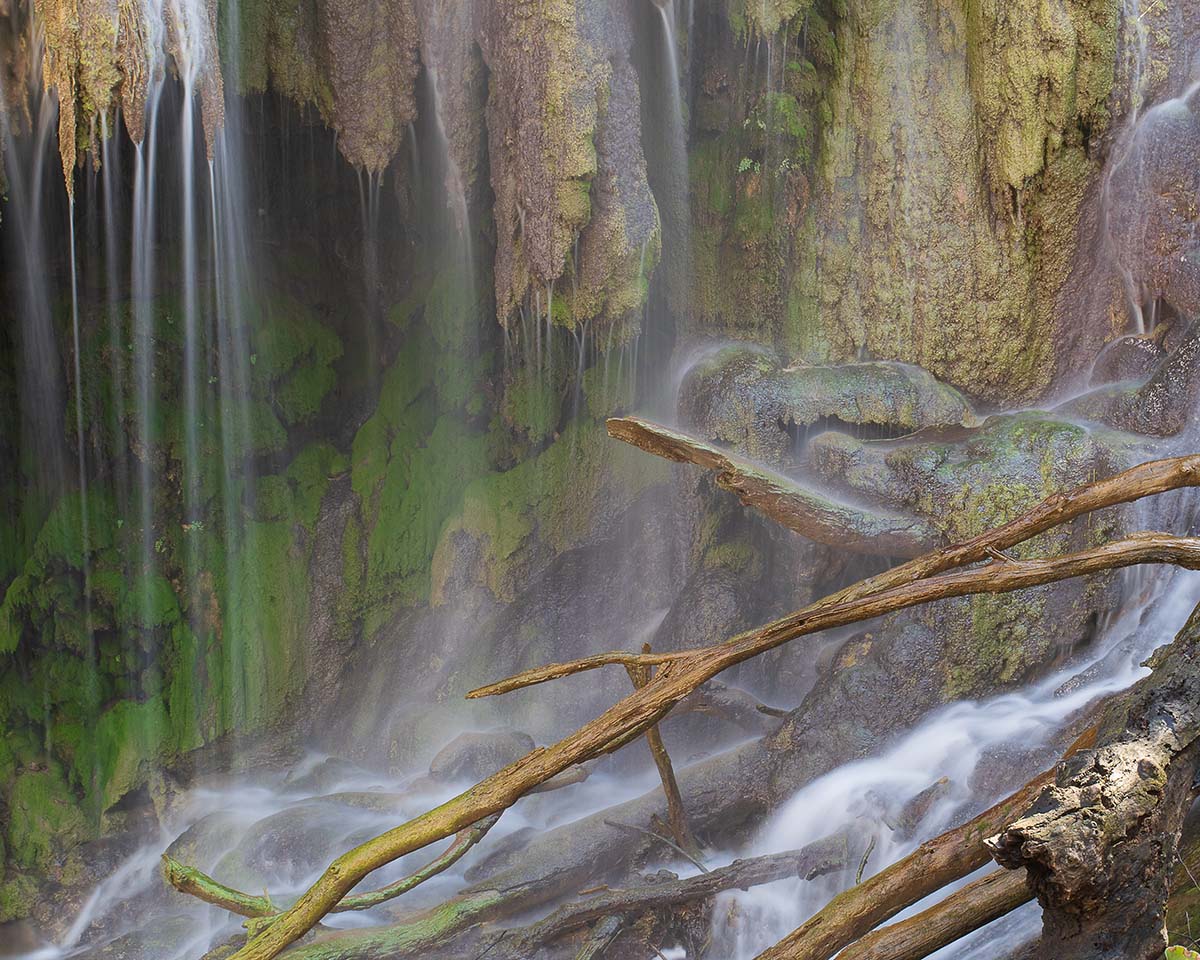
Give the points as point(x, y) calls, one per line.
point(745, 398)
point(473, 756)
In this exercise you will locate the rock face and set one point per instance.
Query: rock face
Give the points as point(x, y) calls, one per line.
point(1151, 210)
point(473, 756)
point(894, 182)
point(566, 161)
point(370, 49)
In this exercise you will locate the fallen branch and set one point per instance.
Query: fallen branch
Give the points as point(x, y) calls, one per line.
point(995, 577)
point(855, 912)
point(817, 859)
point(679, 676)
point(192, 881)
point(639, 675)
point(807, 512)
point(989, 898)
point(631, 828)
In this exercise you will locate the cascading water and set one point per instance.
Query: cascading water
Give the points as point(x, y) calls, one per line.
point(867, 796)
point(674, 197)
point(336, 505)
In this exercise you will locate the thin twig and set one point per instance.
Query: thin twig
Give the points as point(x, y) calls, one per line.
point(661, 839)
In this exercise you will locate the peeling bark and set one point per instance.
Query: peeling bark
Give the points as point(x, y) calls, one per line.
point(1100, 844)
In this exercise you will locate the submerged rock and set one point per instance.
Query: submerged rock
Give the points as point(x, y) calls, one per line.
point(475, 755)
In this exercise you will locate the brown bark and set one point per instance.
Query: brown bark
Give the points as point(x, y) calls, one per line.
point(821, 857)
point(1002, 575)
point(677, 678)
point(676, 815)
point(1101, 842)
point(936, 863)
point(975, 905)
point(812, 514)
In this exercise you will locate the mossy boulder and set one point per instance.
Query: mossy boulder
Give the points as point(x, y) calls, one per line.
point(745, 398)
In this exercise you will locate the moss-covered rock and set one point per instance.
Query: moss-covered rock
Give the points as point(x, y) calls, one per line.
point(513, 522)
point(742, 396)
point(44, 818)
point(565, 163)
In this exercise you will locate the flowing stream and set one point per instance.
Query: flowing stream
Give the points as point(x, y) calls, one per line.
point(198, 414)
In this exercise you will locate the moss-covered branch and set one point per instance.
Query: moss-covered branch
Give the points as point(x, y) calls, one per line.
point(674, 681)
point(195, 882)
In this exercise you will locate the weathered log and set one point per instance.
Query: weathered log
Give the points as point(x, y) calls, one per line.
point(812, 514)
point(976, 904)
point(1100, 844)
point(677, 678)
point(817, 859)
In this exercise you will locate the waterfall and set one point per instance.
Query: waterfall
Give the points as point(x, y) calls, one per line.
point(675, 205)
point(317, 503)
point(866, 796)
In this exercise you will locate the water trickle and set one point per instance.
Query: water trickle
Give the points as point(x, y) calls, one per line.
point(675, 205)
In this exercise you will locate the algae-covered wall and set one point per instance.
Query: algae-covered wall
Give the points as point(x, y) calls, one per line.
point(420, 447)
point(903, 180)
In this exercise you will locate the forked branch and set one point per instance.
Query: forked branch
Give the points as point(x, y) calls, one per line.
point(899, 587)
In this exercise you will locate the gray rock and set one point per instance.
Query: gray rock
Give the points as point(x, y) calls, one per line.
point(478, 754)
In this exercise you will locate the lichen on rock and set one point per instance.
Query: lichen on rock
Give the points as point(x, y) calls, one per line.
point(566, 160)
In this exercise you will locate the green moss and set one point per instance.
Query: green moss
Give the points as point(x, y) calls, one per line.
point(44, 818)
point(541, 508)
point(128, 741)
point(62, 535)
point(18, 897)
point(296, 494)
point(260, 662)
point(149, 602)
point(532, 404)
point(737, 556)
point(421, 487)
point(300, 395)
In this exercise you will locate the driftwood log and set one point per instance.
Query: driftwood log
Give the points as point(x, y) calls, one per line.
point(917, 581)
point(808, 512)
point(1101, 843)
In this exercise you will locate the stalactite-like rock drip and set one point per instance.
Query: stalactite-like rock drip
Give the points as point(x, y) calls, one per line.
point(63, 21)
point(1041, 73)
point(1100, 845)
point(566, 159)
point(763, 18)
point(192, 40)
point(133, 62)
point(369, 48)
point(95, 48)
point(621, 244)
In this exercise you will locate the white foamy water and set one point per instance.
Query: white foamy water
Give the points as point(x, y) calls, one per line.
point(865, 796)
